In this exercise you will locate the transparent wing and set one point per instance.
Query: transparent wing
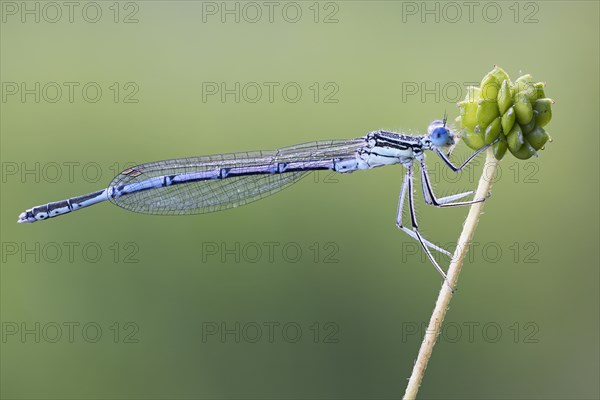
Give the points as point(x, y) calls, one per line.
point(211, 195)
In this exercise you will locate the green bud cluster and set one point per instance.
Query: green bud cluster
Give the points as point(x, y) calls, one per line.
point(516, 112)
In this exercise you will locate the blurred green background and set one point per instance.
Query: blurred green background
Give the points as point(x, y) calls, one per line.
point(311, 293)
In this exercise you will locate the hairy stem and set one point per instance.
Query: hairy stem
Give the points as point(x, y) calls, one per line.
point(441, 306)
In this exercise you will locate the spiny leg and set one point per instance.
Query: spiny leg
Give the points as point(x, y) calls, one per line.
point(442, 200)
point(415, 230)
point(467, 161)
point(405, 229)
point(431, 199)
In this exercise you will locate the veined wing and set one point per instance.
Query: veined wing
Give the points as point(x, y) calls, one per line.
point(213, 183)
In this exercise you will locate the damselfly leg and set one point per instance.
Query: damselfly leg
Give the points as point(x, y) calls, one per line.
point(431, 199)
point(409, 231)
point(425, 244)
point(447, 201)
point(447, 161)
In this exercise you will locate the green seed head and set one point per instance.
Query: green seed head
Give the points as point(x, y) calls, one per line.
point(514, 113)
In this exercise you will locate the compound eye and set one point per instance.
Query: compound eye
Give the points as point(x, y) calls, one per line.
point(440, 136)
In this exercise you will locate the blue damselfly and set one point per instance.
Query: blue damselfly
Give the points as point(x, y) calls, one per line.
point(213, 183)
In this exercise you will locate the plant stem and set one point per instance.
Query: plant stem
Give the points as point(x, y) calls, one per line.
point(441, 306)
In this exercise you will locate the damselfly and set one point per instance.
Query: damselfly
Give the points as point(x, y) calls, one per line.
point(213, 183)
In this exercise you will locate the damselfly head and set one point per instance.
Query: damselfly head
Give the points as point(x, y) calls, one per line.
point(439, 134)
